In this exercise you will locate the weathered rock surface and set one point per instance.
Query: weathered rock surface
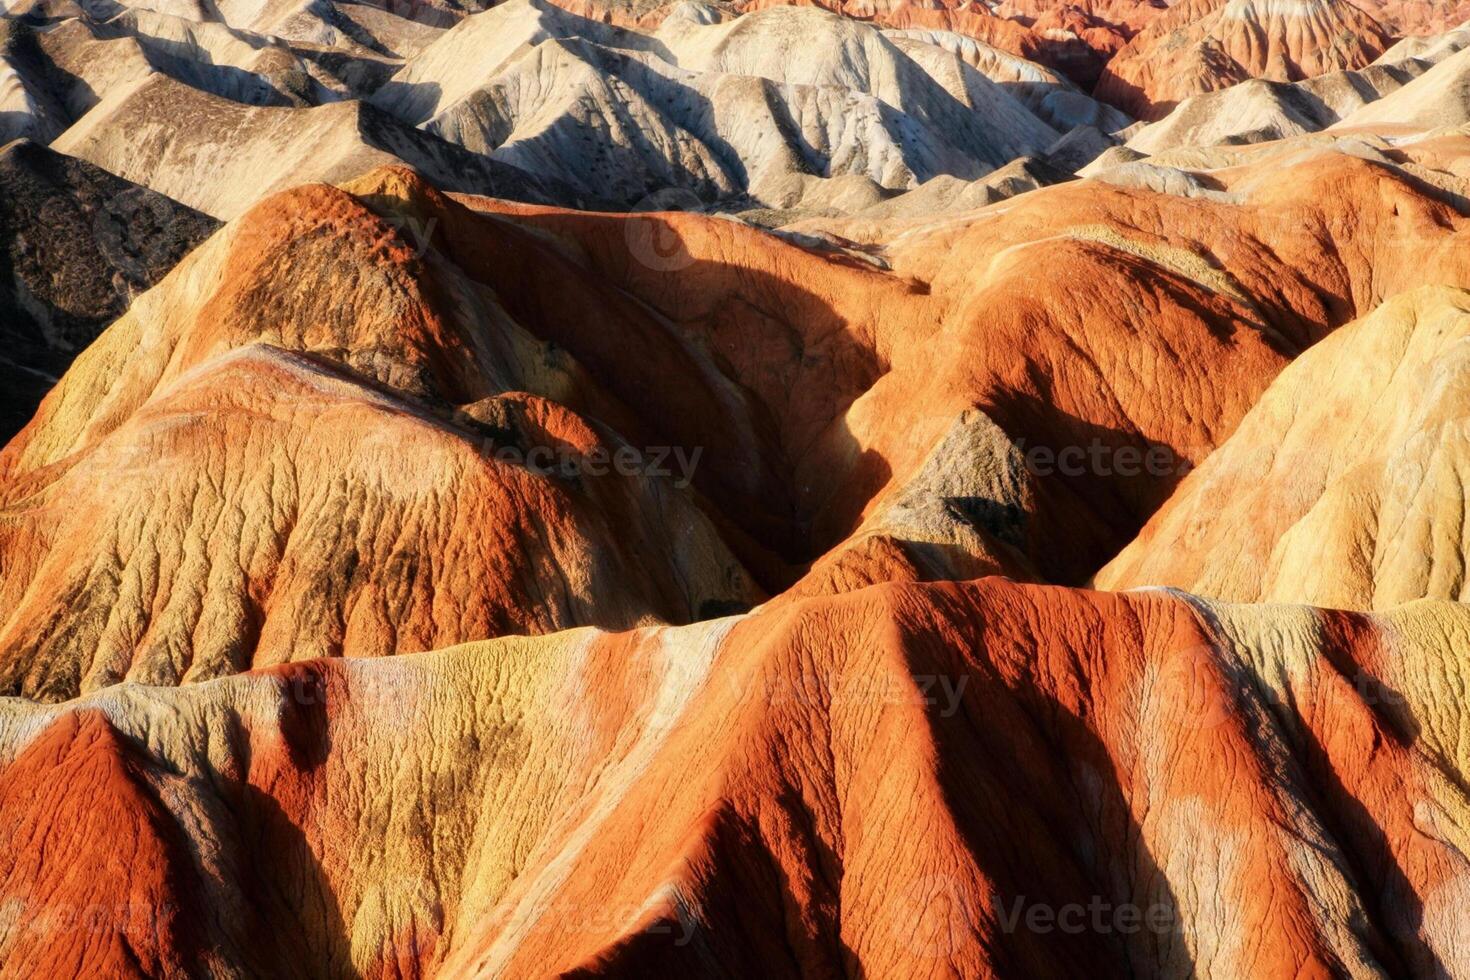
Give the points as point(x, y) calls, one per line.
point(221, 156)
point(1203, 45)
point(871, 216)
point(1344, 486)
point(78, 245)
point(1437, 98)
point(820, 389)
point(420, 583)
point(359, 469)
point(720, 108)
point(889, 782)
point(1257, 110)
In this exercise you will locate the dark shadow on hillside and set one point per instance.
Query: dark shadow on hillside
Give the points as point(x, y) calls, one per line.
point(1034, 792)
point(77, 244)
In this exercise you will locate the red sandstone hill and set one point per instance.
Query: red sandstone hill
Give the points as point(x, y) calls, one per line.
point(1204, 45)
point(418, 584)
point(1411, 18)
point(345, 387)
point(977, 779)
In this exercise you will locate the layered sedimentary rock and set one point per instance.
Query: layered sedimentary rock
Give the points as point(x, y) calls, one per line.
point(721, 108)
point(1259, 110)
point(360, 469)
point(1434, 99)
point(220, 107)
point(1344, 486)
point(1418, 18)
point(89, 58)
point(374, 29)
point(1203, 45)
point(425, 579)
point(977, 779)
point(221, 156)
point(1047, 93)
point(867, 215)
point(726, 106)
point(835, 443)
point(67, 60)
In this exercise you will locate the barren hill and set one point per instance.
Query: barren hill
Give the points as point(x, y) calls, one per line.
point(718, 489)
point(80, 244)
point(1203, 45)
point(722, 109)
point(221, 156)
point(886, 782)
point(1286, 512)
point(833, 446)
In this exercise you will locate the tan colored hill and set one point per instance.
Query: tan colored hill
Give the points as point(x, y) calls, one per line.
point(77, 58)
point(1065, 38)
point(1257, 110)
point(480, 47)
point(1435, 99)
point(1431, 48)
point(866, 216)
point(1342, 486)
point(221, 156)
point(97, 57)
point(720, 108)
point(736, 109)
point(1047, 93)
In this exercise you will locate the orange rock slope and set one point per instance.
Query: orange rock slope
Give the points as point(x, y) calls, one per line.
point(1288, 511)
point(978, 780)
point(338, 642)
point(1204, 45)
point(346, 392)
